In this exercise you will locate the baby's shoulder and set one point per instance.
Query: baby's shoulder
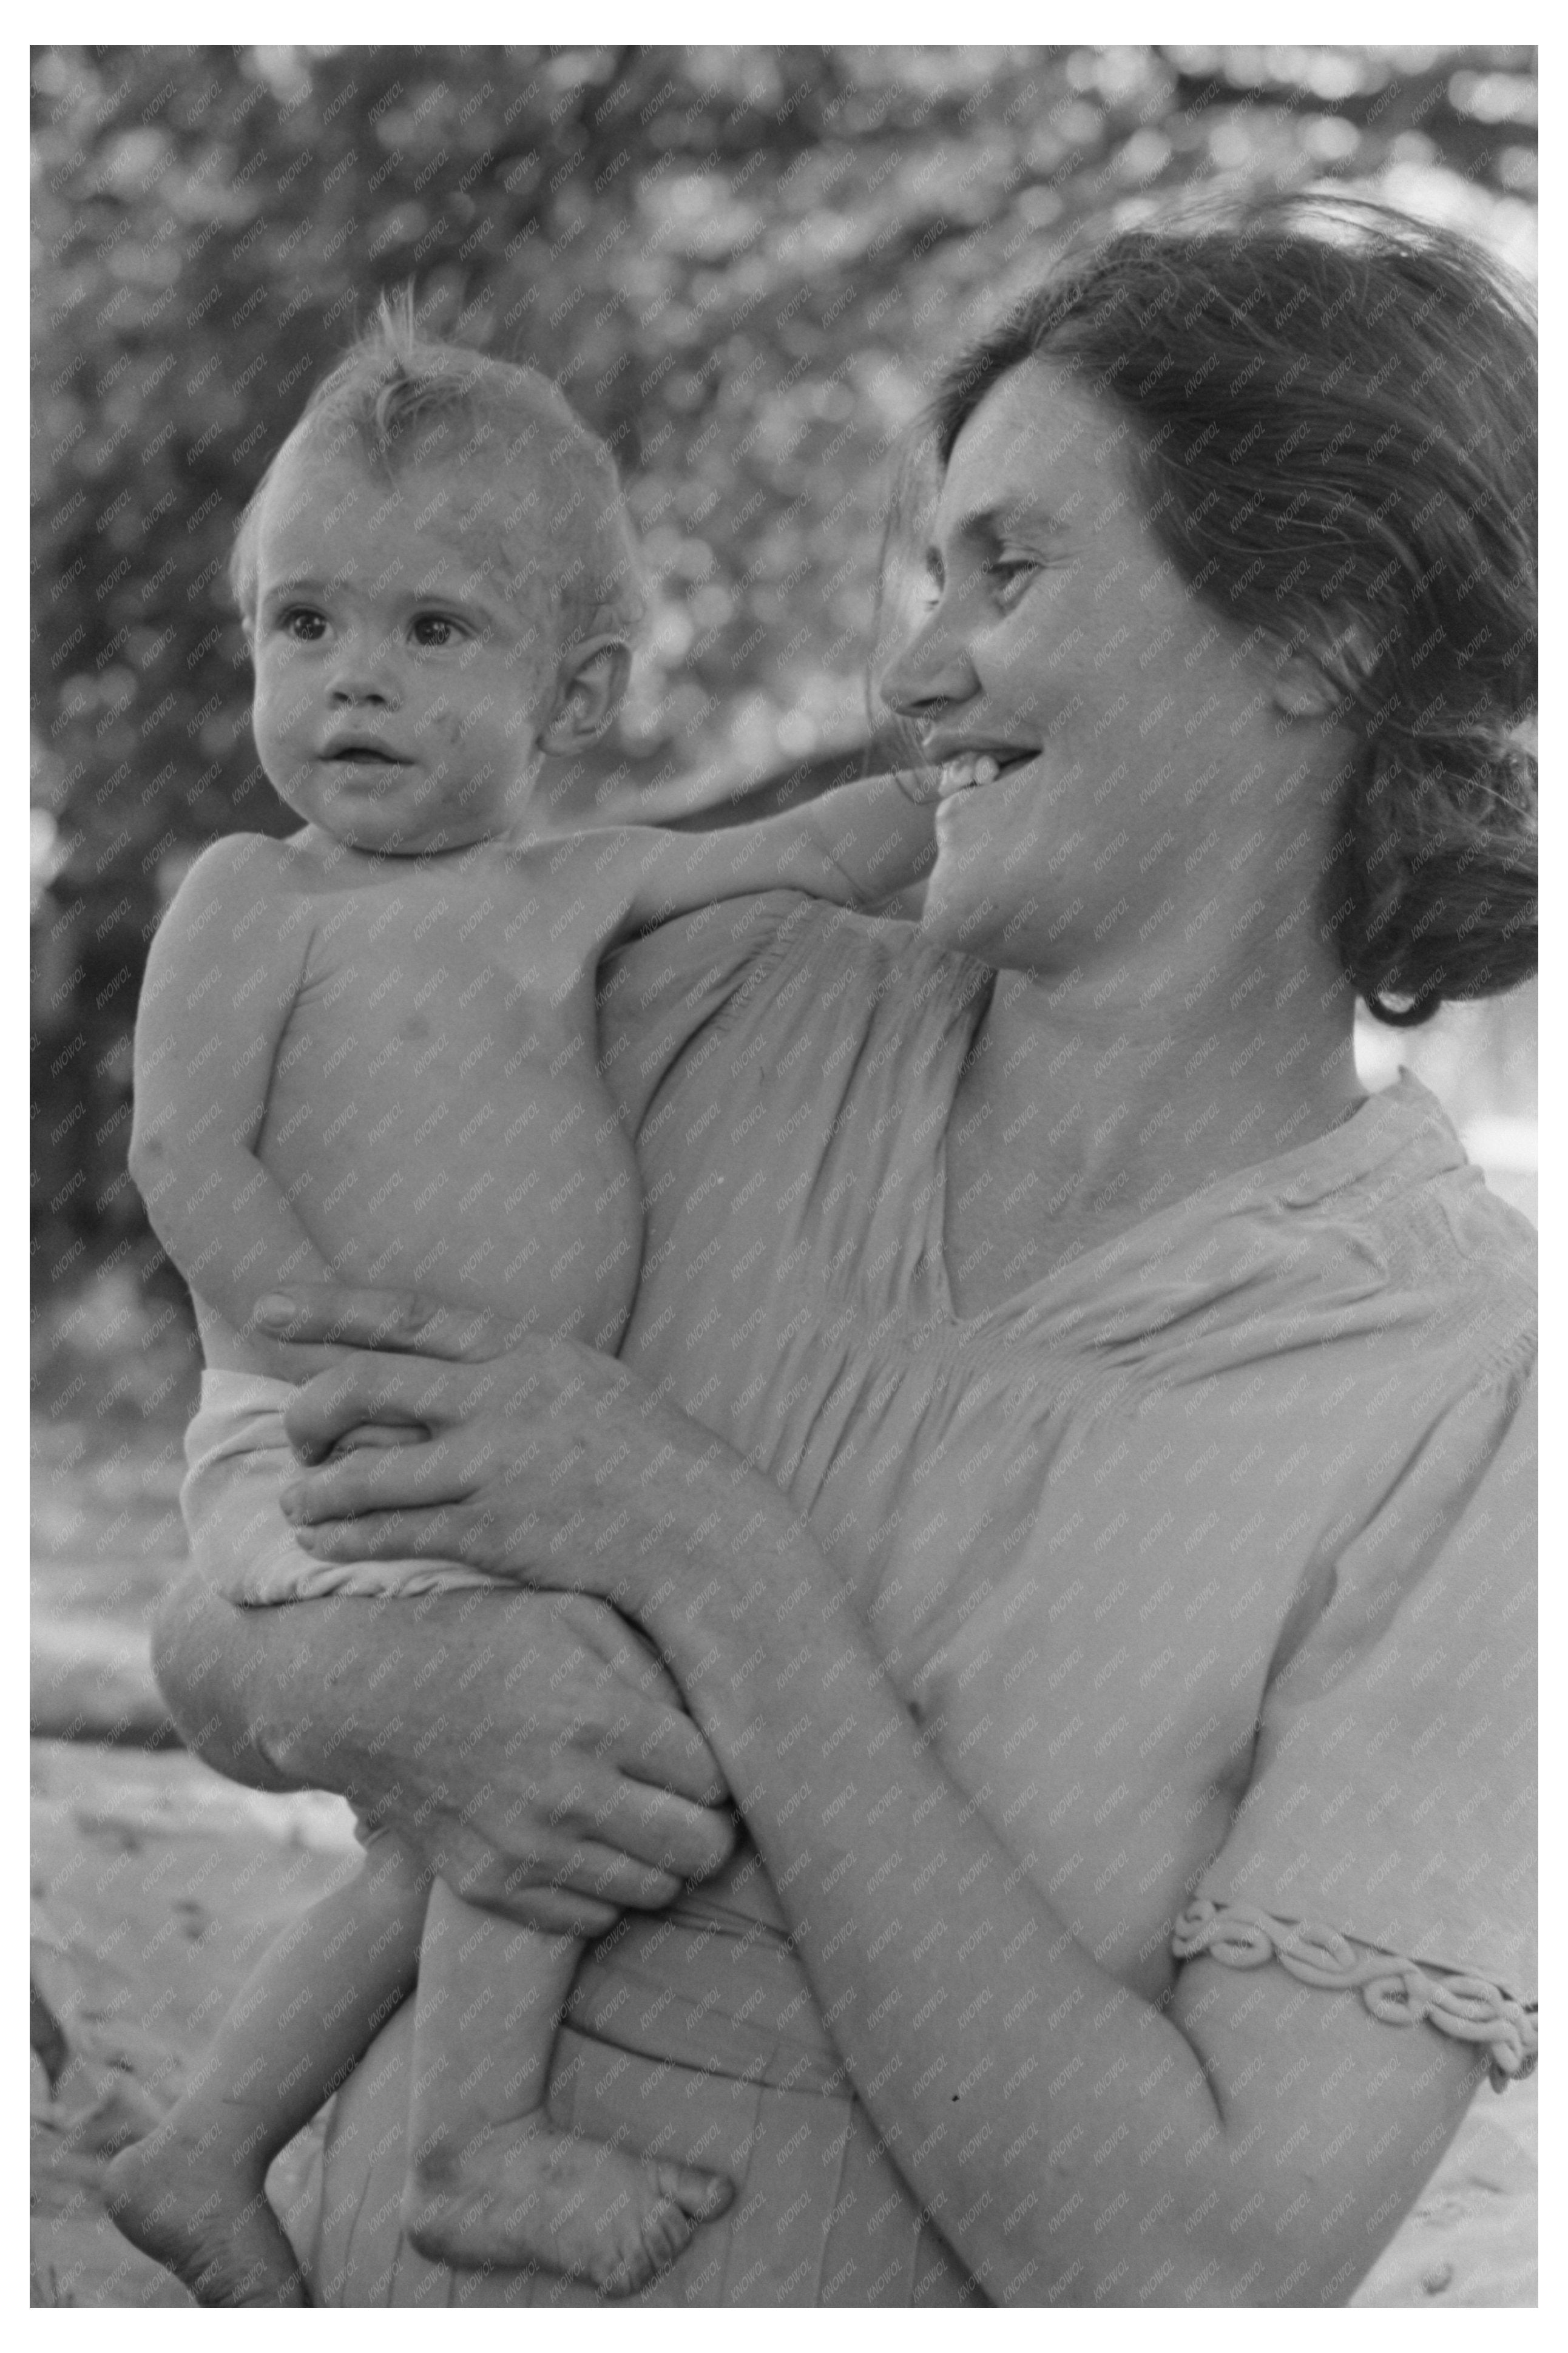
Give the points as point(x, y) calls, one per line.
point(246, 892)
point(248, 863)
point(236, 872)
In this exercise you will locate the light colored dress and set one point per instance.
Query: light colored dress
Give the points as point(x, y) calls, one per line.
point(1205, 1563)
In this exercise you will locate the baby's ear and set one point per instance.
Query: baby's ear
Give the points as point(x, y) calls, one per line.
point(590, 686)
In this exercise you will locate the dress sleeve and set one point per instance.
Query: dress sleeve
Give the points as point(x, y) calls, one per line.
point(1392, 1795)
point(655, 994)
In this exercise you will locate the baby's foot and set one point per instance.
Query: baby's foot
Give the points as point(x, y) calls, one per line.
point(530, 2194)
point(186, 2205)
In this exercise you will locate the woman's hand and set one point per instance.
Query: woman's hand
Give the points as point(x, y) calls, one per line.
point(541, 1462)
point(523, 1744)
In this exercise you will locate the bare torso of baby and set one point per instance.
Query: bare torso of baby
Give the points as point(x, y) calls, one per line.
point(434, 1114)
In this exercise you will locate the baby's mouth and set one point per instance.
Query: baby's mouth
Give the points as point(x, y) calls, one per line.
point(361, 753)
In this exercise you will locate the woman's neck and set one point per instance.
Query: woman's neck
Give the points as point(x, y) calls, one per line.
point(1080, 1113)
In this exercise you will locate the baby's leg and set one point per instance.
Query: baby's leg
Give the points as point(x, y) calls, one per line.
point(192, 2192)
point(491, 2180)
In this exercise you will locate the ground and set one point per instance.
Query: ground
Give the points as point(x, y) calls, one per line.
point(155, 1883)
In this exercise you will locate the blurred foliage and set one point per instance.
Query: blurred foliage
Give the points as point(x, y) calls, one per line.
point(744, 266)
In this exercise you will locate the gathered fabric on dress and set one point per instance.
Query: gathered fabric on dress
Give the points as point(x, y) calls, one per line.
point(1204, 1565)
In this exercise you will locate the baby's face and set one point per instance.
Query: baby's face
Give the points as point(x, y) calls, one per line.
point(398, 690)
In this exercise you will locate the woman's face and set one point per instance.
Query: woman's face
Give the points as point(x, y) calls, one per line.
point(1149, 771)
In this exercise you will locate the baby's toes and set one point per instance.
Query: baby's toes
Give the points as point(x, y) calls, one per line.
point(631, 2271)
point(666, 2233)
point(699, 2194)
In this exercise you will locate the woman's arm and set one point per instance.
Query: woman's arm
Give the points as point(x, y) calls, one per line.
point(1250, 2141)
point(1253, 2142)
point(503, 1736)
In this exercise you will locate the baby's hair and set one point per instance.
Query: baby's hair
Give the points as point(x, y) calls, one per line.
point(406, 399)
point(1332, 412)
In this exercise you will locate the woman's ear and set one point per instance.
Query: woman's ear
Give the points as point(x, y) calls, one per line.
point(1302, 690)
point(589, 688)
point(1312, 679)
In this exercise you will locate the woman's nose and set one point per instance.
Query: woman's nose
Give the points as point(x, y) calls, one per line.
point(932, 672)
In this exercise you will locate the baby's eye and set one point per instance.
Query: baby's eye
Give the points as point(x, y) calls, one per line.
point(436, 629)
point(301, 623)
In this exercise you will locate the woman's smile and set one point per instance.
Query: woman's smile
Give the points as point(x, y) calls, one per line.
point(1073, 636)
point(965, 772)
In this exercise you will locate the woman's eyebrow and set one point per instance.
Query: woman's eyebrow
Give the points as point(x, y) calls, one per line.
point(993, 522)
point(988, 526)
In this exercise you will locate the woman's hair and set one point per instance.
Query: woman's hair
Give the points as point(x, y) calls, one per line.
point(406, 399)
point(1334, 421)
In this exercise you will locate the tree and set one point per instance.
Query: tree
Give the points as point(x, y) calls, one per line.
point(744, 266)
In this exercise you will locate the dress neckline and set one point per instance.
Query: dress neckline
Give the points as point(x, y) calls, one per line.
point(1380, 1128)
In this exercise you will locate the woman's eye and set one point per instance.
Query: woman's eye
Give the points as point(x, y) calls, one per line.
point(1010, 575)
point(435, 629)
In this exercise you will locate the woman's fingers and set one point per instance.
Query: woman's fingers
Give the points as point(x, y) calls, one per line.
point(482, 1874)
point(649, 1869)
point(609, 1877)
point(408, 1322)
point(665, 1751)
point(362, 1479)
point(365, 1388)
point(383, 1433)
point(654, 1825)
point(436, 1533)
point(577, 1866)
point(592, 1887)
point(667, 1833)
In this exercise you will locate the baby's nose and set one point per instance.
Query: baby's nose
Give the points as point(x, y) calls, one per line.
point(364, 672)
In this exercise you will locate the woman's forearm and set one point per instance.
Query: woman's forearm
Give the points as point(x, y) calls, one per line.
point(267, 1696)
point(872, 1847)
point(1022, 2090)
point(552, 1466)
point(509, 1739)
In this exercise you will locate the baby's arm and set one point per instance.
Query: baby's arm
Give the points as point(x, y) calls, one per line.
point(224, 972)
point(878, 833)
point(858, 844)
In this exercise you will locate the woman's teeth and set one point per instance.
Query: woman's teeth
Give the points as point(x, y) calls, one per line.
point(968, 768)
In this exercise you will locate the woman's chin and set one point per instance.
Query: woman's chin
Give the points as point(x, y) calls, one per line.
point(963, 921)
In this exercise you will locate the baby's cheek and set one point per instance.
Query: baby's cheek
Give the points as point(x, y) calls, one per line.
point(443, 725)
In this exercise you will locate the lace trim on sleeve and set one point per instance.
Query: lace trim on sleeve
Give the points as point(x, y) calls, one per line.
point(1397, 1992)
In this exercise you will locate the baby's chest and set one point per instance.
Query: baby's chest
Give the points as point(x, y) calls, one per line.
point(420, 1050)
point(393, 1006)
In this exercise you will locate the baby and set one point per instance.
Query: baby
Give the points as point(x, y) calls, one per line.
point(367, 1053)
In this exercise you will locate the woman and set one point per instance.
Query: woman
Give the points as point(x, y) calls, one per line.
point(1071, 1449)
